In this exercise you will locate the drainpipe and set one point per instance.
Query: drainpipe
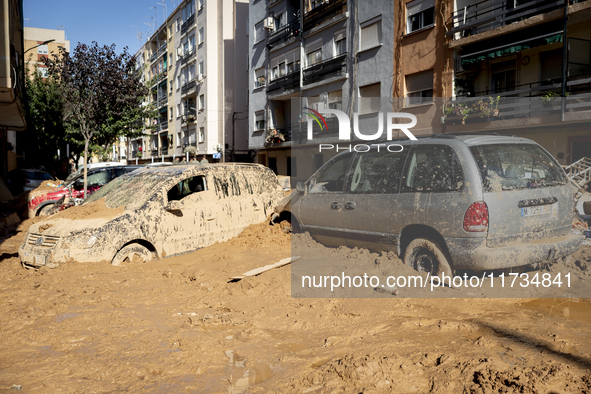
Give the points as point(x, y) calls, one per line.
point(302, 56)
point(564, 54)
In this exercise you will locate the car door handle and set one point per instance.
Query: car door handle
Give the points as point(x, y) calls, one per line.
point(336, 205)
point(350, 205)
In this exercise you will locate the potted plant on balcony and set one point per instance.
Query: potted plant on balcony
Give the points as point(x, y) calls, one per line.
point(462, 110)
point(191, 118)
point(274, 137)
point(549, 100)
point(192, 150)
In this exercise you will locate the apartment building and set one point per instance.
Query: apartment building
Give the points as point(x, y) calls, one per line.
point(523, 55)
point(12, 118)
point(40, 43)
point(196, 84)
point(335, 54)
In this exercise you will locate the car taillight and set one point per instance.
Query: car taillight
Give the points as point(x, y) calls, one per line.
point(476, 218)
point(27, 181)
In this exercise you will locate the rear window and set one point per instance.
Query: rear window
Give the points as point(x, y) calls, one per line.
point(516, 166)
point(38, 176)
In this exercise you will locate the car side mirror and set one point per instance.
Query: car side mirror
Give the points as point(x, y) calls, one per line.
point(174, 205)
point(301, 187)
point(78, 185)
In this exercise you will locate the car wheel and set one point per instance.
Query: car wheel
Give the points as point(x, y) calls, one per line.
point(45, 210)
point(425, 255)
point(132, 253)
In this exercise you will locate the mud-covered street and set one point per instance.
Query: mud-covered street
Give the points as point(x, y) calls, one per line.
point(178, 325)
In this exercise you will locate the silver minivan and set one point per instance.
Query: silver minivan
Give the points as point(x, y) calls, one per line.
point(444, 202)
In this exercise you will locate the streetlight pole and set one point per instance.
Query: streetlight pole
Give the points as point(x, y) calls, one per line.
point(38, 45)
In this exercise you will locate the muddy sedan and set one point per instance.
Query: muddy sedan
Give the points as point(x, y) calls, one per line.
point(154, 213)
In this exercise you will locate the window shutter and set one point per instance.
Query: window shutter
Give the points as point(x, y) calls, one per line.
point(419, 81)
point(418, 6)
point(369, 36)
point(313, 46)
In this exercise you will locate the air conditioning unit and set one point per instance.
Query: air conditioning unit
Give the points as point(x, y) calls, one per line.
point(268, 25)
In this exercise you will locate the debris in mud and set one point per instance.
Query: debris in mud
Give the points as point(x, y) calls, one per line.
point(258, 271)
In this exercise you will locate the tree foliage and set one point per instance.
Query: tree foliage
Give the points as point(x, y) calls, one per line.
point(102, 94)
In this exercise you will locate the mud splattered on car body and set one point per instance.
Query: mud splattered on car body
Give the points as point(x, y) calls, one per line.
point(163, 211)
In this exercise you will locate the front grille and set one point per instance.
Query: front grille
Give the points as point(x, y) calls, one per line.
point(48, 241)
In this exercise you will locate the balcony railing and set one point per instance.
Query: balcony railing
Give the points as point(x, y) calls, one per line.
point(324, 11)
point(164, 150)
point(162, 48)
point(490, 14)
point(190, 54)
point(154, 152)
point(188, 86)
point(163, 124)
point(286, 131)
point(522, 102)
point(336, 66)
point(284, 33)
point(287, 82)
point(154, 56)
point(187, 23)
point(162, 101)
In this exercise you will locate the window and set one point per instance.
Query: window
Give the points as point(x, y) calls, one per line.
point(377, 173)
point(201, 134)
point(371, 35)
point(170, 60)
point(340, 43)
point(259, 121)
point(185, 48)
point(187, 187)
point(332, 177)
point(419, 14)
point(201, 102)
point(259, 81)
point(279, 21)
point(201, 4)
point(314, 53)
point(178, 24)
point(432, 168)
point(419, 88)
point(247, 26)
point(179, 53)
point(171, 113)
point(42, 72)
point(259, 32)
point(179, 110)
point(178, 139)
point(202, 68)
point(369, 98)
point(171, 85)
point(178, 81)
point(191, 69)
point(43, 49)
point(201, 35)
point(192, 43)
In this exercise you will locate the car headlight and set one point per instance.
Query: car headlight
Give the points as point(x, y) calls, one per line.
point(83, 242)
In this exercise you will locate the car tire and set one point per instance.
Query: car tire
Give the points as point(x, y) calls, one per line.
point(45, 210)
point(132, 253)
point(426, 255)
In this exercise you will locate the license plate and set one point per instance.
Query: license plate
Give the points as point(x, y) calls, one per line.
point(539, 210)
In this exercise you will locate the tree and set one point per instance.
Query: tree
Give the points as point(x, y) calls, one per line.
point(102, 94)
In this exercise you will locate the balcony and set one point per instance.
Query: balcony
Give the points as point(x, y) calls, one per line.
point(187, 23)
point(490, 14)
point(284, 33)
point(286, 131)
point(161, 77)
point(285, 83)
point(162, 49)
point(163, 124)
point(333, 67)
point(323, 11)
point(164, 150)
point(188, 86)
point(154, 152)
point(154, 56)
point(162, 101)
point(188, 56)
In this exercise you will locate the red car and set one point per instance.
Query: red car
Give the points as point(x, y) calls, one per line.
point(42, 200)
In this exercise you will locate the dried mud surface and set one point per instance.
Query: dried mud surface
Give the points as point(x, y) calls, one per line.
point(93, 210)
point(177, 325)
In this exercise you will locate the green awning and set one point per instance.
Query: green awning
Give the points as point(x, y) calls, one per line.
point(510, 49)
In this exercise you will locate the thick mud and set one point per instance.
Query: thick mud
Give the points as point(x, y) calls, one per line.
point(178, 325)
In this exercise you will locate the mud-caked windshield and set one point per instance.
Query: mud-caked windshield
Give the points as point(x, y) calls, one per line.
point(129, 191)
point(516, 166)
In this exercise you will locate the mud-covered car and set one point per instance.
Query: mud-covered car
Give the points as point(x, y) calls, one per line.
point(42, 201)
point(155, 212)
point(442, 203)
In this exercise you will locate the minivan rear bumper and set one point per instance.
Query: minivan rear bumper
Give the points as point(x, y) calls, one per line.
point(472, 253)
